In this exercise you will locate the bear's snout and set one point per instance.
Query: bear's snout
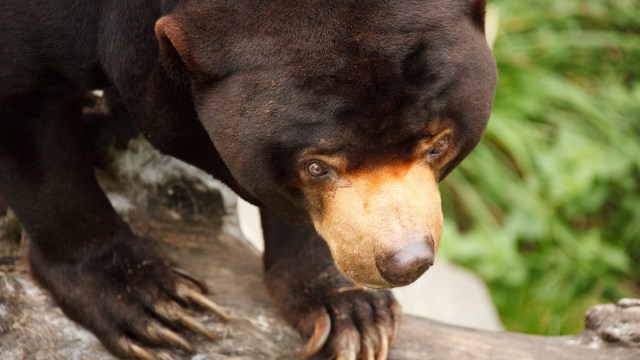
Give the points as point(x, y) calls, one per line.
point(404, 266)
point(384, 228)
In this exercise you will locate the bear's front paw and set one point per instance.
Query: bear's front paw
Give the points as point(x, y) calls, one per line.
point(352, 324)
point(337, 319)
point(128, 297)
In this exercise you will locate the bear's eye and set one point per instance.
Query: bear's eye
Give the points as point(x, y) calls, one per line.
point(438, 148)
point(317, 169)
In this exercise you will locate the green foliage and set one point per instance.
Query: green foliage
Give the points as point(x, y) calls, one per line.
point(547, 208)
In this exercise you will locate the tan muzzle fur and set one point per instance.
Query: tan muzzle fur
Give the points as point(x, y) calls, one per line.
point(378, 213)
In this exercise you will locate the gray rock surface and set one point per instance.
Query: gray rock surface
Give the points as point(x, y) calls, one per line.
point(615, 323)
point(188, 214)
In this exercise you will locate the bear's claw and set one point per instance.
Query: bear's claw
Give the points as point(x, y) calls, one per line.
point(174, 313)
point(156, 332)
point(189, 294)
point(321, 330)
point(195, 326)
point(193, 279)
point(129, 349)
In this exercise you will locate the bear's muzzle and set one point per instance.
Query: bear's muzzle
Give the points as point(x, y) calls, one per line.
point(383, 229)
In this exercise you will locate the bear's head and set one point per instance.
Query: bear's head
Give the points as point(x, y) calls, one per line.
point(345, 113)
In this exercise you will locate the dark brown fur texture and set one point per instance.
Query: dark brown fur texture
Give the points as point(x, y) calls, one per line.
point(304, 108)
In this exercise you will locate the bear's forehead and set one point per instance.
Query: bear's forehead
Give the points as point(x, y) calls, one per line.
point(383, 68)
point(336, 102)
point(370, 93)
point(321, 35)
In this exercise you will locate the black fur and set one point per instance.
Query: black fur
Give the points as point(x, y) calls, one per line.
point(240, 89)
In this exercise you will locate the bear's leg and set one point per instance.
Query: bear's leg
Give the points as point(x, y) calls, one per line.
point(100, 274)
point(337, 318)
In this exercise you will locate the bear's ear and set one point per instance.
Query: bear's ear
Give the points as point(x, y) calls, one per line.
point(175, 55)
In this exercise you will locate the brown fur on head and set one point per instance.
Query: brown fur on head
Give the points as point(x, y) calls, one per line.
point(363, 89)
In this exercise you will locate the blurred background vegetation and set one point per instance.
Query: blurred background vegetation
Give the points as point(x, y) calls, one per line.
point(547, 208)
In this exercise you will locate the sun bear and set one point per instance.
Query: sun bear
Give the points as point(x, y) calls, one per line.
point(337, 118)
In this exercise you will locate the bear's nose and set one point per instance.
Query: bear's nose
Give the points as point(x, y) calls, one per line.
point(407, 264)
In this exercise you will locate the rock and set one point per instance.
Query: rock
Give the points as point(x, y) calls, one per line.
point(614, 323)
